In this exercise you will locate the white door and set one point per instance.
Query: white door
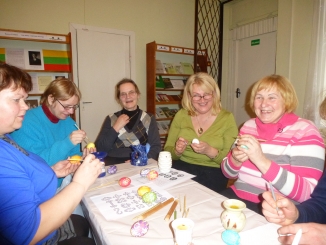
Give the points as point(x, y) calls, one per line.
point(103, 57)
point(255, 58)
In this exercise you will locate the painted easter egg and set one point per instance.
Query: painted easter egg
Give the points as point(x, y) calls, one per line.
point(139, 228)
point(142, 190)
point(144, 172)
point(112, 169)
point(149, 197)
point(124, 181)
point(153, 174)
point(231, 237)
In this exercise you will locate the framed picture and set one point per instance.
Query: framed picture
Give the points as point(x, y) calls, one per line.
point(32, 103)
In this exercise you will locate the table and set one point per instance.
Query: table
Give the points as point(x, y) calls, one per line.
point(205, 209)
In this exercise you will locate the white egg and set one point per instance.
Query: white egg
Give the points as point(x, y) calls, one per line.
point(195, 141)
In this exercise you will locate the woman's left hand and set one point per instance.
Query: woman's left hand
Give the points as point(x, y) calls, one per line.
point(251, 146)
point(63, 168)
point(87, 151)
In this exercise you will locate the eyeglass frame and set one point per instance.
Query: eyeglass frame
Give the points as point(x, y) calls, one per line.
point(131, 93)
point(201, 97)
point(68, 107)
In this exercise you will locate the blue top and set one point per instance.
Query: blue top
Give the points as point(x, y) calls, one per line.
point(47, 139)
point(314, 209)
point(25, 183)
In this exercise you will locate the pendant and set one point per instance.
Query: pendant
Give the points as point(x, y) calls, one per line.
point(200, 130)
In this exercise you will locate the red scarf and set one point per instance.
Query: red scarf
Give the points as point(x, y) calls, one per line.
point(49, 114)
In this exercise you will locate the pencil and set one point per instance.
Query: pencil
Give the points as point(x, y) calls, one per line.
point(273, 194)
point(154, 209)
point(86, 138)
point(171, 210)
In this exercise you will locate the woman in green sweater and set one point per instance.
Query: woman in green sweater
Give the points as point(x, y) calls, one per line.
point(202, 118)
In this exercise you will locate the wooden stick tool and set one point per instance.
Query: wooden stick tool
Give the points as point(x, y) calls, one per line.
point(153, 209)
point(171, 210)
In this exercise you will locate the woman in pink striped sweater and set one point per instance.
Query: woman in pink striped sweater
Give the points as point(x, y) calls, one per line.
point(277, 146)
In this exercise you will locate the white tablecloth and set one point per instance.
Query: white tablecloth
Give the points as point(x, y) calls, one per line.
point(205, 210)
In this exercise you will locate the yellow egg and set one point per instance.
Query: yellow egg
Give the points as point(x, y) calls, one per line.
point(90, 145)
point(143, 189)
point(75, 159)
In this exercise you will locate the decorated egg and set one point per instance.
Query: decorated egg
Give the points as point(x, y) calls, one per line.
point(144, 172)
point(124, 181)
point(231, 237)
point(142, 190)
point(195, 141)
point(152, 175)
point(149, 197)
point(112, 169)
point(139, 228)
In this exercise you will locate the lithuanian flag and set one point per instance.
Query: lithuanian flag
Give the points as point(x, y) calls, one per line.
point(55, 60)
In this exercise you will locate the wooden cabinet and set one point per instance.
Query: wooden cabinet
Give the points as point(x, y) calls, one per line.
point(45, 56)
point(163, 55)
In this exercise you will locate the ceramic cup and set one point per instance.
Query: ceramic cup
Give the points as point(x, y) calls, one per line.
point(182, 229)
point(164, 162)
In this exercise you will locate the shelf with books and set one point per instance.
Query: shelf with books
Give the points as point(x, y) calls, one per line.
point(167, 70)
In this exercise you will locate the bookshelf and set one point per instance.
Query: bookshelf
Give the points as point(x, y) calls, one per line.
point(159, 72)
point(44, 56)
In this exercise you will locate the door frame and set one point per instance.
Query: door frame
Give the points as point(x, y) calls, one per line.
point(73, 34)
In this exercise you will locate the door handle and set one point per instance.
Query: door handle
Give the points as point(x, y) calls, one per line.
point(237, 92)
point(87, 102)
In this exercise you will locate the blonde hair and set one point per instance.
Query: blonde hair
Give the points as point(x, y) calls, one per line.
point(60, 89)
point(208, 85)
point(283, 85)
point(322, 109)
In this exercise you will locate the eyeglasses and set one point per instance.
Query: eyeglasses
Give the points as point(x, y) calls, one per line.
point(198, 97)
point(68, 107)
point(130, 94)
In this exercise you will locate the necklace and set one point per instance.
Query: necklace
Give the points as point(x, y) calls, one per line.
point(201, 130)
point(133, 115)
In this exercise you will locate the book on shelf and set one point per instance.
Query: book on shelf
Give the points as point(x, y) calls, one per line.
point(163, 97)
point(157, 98)
point(175, 97)
point(159, 82)
point(167, 82)
point(178, 68)
point(177, 83)
point(160, 128)
point(187, 68)
point(159, 67)
point(169, 68)
point(165, 126)
point(167, 111)
point(160, 113)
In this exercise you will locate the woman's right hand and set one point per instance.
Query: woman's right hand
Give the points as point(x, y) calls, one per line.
point(122, 120)
point(88, 171)
point(180, 146)
point(77, 136)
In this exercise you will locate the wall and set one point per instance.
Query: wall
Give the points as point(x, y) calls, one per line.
point(293, 37)
point(165, 21)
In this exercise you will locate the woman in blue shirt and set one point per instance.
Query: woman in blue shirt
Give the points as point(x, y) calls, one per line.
point(31, 212)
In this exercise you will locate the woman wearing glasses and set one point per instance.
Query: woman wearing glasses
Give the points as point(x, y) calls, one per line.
point(48, 130)
point(202, 118)
point(130, 126)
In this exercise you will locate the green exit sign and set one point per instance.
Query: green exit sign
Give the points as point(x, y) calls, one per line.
point(255, 42)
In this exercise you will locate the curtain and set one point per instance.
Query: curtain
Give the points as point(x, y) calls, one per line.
point(315, 86)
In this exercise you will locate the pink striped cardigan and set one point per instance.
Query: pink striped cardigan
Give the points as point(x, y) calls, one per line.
point(297, 151)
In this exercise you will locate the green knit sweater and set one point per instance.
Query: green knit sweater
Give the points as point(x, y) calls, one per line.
point(220, 135)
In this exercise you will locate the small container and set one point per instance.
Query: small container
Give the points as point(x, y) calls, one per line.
point(101, 155)
point(232, 217)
